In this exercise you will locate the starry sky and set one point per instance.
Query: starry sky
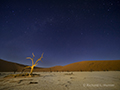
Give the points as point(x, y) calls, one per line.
point(67, 31)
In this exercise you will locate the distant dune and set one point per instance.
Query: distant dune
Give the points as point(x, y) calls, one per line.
point(105, 65)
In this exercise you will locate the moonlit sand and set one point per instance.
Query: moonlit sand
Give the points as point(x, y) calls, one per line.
point(102, 80)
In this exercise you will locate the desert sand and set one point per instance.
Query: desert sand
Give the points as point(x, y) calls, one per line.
point(96, 80)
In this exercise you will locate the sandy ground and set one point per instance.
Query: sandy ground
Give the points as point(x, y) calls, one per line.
point(104, 80)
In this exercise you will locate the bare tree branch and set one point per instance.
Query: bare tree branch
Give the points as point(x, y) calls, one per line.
point(27, 67)
point(40, 59)
point(33, 55)
point(31, 58)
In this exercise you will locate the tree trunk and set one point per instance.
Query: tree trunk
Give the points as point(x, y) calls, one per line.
point(32, 67)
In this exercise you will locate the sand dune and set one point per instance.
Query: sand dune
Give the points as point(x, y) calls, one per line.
point(106, 65)
point(6, 66)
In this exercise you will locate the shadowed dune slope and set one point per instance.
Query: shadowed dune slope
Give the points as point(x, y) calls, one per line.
point(6, 66)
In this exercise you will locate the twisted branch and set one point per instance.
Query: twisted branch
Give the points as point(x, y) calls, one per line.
point(31, 58)
point(39, 59)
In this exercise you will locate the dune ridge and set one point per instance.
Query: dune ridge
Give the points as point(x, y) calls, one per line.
point(102, 65)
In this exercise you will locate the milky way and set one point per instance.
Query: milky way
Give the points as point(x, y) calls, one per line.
point(67, 31)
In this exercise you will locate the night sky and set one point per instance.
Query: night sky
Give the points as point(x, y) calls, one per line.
point(67, 31)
